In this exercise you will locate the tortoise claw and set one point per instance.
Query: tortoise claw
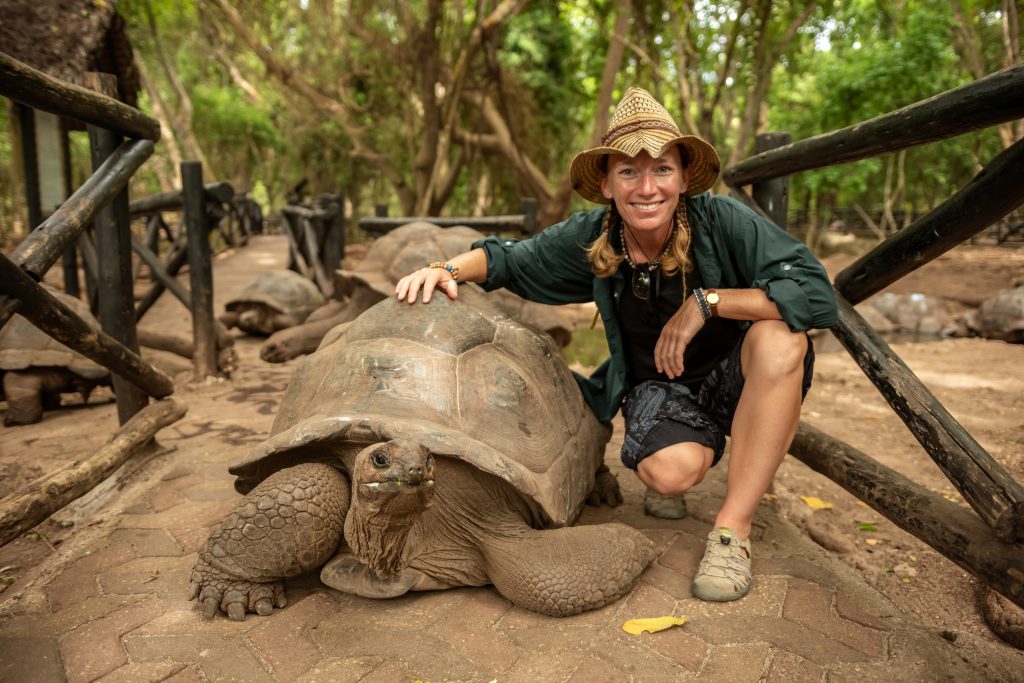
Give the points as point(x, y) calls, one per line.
point(236, 612)
point(210, 607)
point(264, 607)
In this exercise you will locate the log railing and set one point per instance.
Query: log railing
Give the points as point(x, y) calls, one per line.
point(316, 239)
point(525, 223)
point(102, 201)
point(988, 544)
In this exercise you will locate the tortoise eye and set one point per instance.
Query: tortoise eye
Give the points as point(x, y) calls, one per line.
point(380, 459)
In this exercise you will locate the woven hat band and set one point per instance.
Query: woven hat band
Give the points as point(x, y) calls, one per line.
point(628, 128)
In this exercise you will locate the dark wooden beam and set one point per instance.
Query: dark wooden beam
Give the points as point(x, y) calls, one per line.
point(156, 267)
point(200, 270)
point(984, 484)
point(993, 193)
point(114, 251)
point(220, 193)
point(313, 257)
point(44, 245)
point(772, 194)
point(177, 258)
point(44, 311)
point(26, 120)
point(949, 528)
point(986, 102)
point(334, 245)
point(20, 82)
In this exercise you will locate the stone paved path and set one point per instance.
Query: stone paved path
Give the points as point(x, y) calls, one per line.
point(109, 603)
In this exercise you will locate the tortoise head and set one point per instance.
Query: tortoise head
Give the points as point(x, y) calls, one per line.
point(257, 319)
point(393, 483)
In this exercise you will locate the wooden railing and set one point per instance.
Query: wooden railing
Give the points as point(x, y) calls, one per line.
point(101, 201)
point(988, 544)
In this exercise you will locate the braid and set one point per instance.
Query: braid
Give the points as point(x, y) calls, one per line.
point(603, 256)
point(678, 257)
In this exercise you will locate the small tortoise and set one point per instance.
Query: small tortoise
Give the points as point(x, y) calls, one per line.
point(392, 257)
point(1001, 316)
point(37, 368)
point(275, 300)
point(426, 447)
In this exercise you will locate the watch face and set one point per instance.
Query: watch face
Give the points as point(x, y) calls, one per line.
point(713, 298)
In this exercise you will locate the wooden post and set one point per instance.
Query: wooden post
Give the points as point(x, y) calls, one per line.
point(176, 258)
point(200, 269)
point(114, 253)
point(950, 529)
point(29, 163)
point(993, 493)
point(91, 270)
point(380, 210)
point(529, 215)
point(334, 248)
point(69, 262)
point(313, 257)
point(772, 195)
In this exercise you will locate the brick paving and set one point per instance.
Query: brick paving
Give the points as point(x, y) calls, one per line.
point(109, 604)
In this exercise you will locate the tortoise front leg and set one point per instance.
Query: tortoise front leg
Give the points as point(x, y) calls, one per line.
point(288, 525)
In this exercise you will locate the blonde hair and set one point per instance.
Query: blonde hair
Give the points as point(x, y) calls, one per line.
point(605, 258)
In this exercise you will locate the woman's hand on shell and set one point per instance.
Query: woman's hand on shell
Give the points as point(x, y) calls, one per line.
point(678, 332)
point(427, 279)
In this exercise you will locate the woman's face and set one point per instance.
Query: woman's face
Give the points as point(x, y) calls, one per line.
point(646, 190)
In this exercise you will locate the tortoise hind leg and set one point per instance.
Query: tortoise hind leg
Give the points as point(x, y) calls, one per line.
point(560, 572)
point(29, 391)
point(288, 525)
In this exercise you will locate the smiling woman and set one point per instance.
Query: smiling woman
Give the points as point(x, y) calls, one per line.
point(708, 340)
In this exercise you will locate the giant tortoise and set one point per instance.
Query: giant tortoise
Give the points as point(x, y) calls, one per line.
point(426, 447)
point(275, 300)
point(37, 368)
point(391, 257)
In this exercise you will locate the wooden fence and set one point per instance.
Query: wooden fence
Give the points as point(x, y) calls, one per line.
point(989, 543)
point(121, 139)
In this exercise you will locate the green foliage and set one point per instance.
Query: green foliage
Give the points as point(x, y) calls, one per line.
point(588, 348)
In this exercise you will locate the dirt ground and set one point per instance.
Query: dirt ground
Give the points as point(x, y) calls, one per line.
point(980, 382)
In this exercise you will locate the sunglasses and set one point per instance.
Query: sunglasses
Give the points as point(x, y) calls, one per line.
point(641, 282)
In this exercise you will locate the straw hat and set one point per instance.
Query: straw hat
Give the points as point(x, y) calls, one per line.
point(641, 123)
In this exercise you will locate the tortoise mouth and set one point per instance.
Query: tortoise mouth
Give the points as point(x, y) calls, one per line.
point(398, 485)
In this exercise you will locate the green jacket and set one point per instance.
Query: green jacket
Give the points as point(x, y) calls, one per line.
point(733, 248)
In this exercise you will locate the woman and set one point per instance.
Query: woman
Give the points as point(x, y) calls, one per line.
point(705, 308)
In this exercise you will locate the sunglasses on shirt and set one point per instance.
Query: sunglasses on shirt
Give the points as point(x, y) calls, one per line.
point(641, 282)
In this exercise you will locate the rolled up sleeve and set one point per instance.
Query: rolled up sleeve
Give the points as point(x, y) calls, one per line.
point(771, 259)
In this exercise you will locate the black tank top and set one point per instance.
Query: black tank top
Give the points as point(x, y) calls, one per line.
point(641, 323)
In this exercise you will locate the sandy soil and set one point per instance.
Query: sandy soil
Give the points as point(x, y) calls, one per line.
point(980, 382)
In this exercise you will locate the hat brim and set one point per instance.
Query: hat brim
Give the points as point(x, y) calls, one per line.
point(585, 172)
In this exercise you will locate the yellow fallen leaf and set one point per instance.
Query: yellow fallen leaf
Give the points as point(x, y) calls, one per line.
point(816, 503)
point(652, 625)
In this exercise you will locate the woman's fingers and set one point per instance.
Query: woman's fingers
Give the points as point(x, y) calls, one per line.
point(427, 279)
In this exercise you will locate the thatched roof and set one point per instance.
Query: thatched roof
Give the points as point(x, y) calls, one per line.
point(67, 38)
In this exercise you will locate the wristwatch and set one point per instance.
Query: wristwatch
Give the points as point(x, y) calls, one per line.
point(711, 296)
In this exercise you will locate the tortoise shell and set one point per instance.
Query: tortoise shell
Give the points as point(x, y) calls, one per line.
point(458, 376)
point(23, 345)
point(414, 245)
point(283, 291)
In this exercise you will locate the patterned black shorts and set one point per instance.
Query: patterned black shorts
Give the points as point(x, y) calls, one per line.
point(661, 414)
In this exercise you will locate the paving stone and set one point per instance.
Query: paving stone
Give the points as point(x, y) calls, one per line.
point(736, 663)
point(684, 555)
point(190, 621)
point(856, 608)
point(394, 670)
point(597, 671)
point(782, 633)
point(678, 645)
point(144, 671)
point(671, 581)
point(811, 605)
point(765, 599)
point(94, 649)
point(68, 619)
point(210, 493)
point(647, 601)
point(796, 567)
point(190, 674)
point(536, 666)
point(165, 577)
point(78, 582)
point(468, 629)
point(433, 658)
point(148, 542)
point(219, 659)
point(28, 660)
point(790, 668)
point(286, 643)
point(341, 670)
point(916, 647)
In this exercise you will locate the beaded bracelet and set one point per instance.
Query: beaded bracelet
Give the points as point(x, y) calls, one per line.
point(702, 303)
point(452, 270)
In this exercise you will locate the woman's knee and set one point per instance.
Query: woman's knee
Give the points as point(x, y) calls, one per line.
point(676, 469)
point(772, 350)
